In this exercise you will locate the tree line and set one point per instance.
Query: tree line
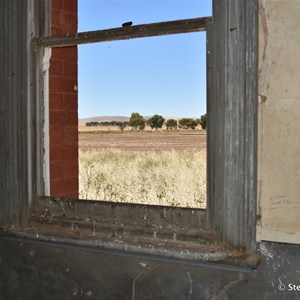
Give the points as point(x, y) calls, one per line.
point(121, 125)
point(138, 122)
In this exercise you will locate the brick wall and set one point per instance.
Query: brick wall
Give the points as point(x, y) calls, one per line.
point(63, 104)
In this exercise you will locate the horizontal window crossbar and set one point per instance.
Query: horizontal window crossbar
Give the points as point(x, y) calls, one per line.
point(119, 218)
point(126, 32)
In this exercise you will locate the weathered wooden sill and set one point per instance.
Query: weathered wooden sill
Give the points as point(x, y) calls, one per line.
point(191, 252)
point(157, 232)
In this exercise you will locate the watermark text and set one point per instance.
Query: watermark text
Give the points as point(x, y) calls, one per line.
point(289, 287)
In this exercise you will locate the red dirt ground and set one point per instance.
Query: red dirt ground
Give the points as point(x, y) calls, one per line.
point(144, 141)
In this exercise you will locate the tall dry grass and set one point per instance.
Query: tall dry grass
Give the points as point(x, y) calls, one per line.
point(176, 178)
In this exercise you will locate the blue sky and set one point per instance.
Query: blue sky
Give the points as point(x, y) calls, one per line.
point(158, 75)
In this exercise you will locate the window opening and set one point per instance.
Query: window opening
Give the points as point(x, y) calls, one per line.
point(93, 187)
point(162, 159)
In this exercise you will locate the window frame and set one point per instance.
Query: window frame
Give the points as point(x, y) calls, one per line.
point(93, 216)
point(229, 224)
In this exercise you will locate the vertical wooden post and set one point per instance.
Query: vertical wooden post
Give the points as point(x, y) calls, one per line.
point(233, 123)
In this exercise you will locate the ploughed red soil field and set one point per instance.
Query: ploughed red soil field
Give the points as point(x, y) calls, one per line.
point(143, 140)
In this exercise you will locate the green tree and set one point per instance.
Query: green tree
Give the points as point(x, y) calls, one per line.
point(137, 121)
point(203, 121)
point(188, 123)
point(156, 122)
point(122, 125)
point(171, 123)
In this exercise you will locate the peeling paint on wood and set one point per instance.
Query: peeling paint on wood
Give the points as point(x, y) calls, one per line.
point(126, 32)
point(233, 118)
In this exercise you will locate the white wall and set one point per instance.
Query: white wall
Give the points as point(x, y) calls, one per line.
point(279, 121)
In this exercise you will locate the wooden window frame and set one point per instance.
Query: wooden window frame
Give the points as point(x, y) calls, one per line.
point(225, 232)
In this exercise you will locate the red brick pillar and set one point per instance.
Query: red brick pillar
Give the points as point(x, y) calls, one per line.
point(63, 104)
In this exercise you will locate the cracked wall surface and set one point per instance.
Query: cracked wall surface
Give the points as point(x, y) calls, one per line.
point(279, 121)
point(36, 270)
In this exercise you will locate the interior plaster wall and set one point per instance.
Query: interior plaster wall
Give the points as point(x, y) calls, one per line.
point(279, 121)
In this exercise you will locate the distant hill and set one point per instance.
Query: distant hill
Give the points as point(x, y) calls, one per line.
point(103, 119)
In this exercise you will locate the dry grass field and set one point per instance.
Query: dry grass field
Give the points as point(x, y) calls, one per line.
point(148, 167)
